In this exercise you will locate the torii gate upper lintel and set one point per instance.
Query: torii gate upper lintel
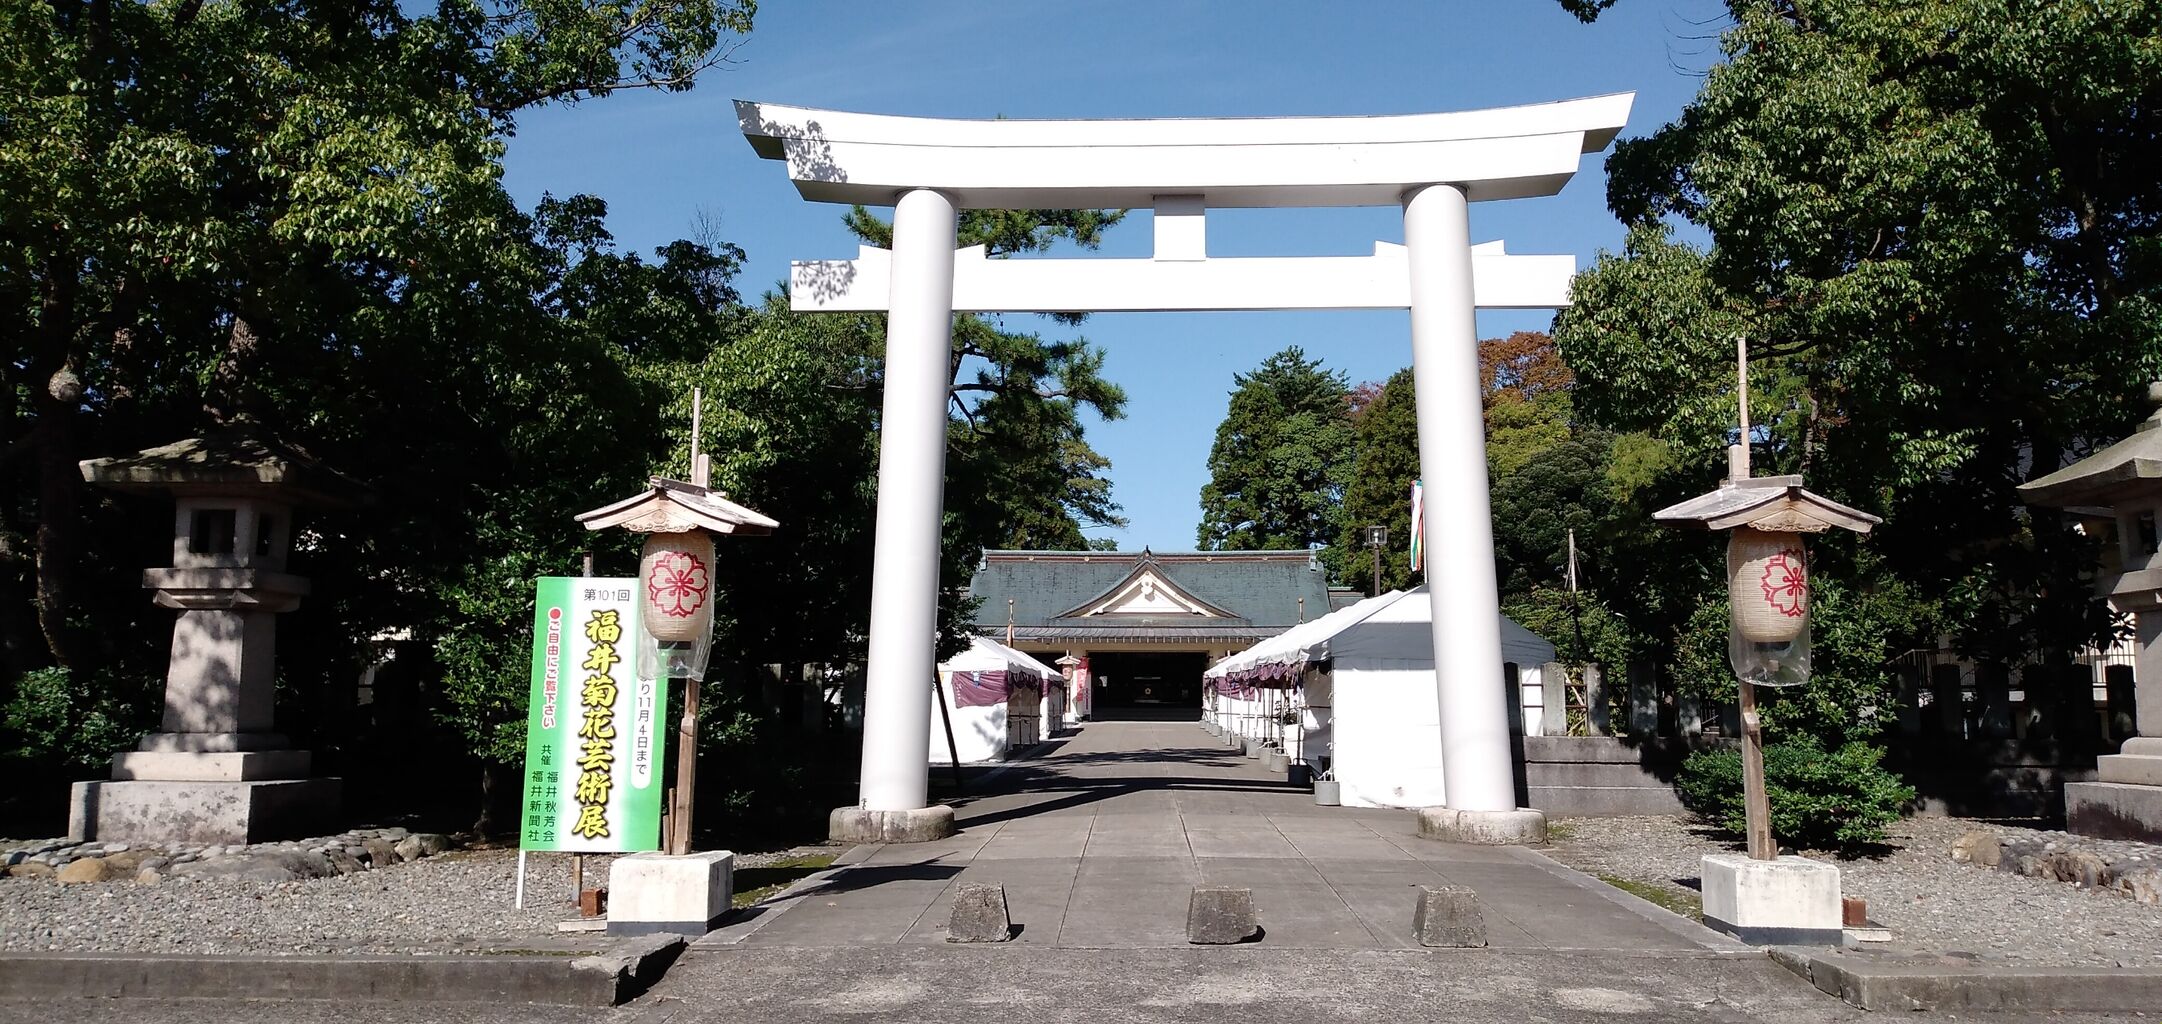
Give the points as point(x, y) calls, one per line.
point(1433, 165)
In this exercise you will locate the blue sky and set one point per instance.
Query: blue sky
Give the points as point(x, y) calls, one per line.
point(660, 160)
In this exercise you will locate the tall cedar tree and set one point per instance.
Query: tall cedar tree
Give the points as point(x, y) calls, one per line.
point(1282, 457)
point(1379, 492)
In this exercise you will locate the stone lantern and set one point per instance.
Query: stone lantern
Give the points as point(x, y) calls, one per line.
point(2123, 482)
point(215, 771)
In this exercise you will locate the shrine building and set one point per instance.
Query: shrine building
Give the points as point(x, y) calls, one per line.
point(1141, 627)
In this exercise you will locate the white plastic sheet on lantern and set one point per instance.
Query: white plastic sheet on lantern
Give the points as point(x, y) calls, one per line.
point(1768, 590)
point(675, 577)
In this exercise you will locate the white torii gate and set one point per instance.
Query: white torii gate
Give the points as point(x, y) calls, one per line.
point(1431, 164)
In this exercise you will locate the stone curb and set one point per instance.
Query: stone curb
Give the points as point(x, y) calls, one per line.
point(1706, 938)
point(1872, 983)
point(605, 979)
point(742, 922)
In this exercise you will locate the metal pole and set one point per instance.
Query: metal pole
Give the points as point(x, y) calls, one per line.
point(953, 750)
point(1376, 548)
point(578, 860)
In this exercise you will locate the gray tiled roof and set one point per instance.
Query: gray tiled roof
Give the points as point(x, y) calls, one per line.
point(1259, 588)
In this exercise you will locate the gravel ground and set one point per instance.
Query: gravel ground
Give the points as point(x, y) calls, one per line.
point(455, 902)
point(1931, 904)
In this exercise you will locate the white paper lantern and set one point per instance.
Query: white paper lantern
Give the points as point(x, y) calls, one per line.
point(1768, 583)
point(675, 574)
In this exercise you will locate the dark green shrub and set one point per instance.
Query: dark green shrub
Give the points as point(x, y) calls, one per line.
point(60, 724)
point(1840, 799)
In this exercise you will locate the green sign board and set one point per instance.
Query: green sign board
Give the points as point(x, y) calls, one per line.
point(593, 728)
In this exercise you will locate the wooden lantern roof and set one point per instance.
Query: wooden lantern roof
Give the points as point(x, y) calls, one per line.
point(673, 506)
point(1777, 504)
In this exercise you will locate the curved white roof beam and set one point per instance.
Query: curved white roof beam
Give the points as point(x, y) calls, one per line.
point(1498, 153)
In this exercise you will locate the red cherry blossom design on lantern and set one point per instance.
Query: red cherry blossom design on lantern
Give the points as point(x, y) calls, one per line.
point(1786, 583)
point(677, 584)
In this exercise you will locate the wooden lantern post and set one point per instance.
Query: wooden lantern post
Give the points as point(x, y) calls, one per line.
point(1767, 589)
point(677, 585)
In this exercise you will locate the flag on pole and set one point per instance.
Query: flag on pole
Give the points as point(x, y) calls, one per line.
point(1418, 527)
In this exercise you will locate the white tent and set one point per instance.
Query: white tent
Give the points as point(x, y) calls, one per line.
point(994, 699)
point(1366, 676)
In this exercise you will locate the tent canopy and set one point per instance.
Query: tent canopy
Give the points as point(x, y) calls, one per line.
point(1392, 627)
point(987, 655)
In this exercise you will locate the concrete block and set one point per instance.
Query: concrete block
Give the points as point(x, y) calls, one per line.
point(1521, 827)
point(1275, 760)
point(209, 766)
point(979, 914)
point(1328, 793)
point(656, 893)
point(202, 812)
point(1792, 901)
point(2113, 810)
point(2130, 769)
point(1448, 915)
point(1220, 916)
point(2144, 746)
point(920, 825)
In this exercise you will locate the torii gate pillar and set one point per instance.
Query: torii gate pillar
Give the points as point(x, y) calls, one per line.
point(1432, 164)
point(911, 505)
point(1466, 621)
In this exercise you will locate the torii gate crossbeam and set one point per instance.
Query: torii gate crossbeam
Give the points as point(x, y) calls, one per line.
point(1434, 165)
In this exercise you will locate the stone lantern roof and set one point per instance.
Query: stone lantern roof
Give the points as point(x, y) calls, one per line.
point(236, 460)
point(673, 506)
point(1776, 504)
point(2133, 465)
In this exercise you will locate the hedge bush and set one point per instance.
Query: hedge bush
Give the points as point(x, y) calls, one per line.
point(1840, 799)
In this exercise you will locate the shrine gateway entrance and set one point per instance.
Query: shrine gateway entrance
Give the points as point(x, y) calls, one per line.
point(1432, 165)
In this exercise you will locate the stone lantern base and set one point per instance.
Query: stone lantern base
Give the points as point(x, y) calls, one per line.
point(203, 812)
point(2125, 800)
point(174, 790)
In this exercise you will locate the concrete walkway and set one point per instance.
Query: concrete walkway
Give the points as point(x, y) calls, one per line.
point(1100, 843)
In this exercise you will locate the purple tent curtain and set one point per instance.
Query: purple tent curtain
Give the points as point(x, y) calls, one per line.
point(1273, 677)
point(980, 689)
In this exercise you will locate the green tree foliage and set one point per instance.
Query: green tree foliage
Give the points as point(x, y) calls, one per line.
point(1927, 219)
point(291, 215)
point(1933, 225)
point(1281, 459)
point(1384, 465)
